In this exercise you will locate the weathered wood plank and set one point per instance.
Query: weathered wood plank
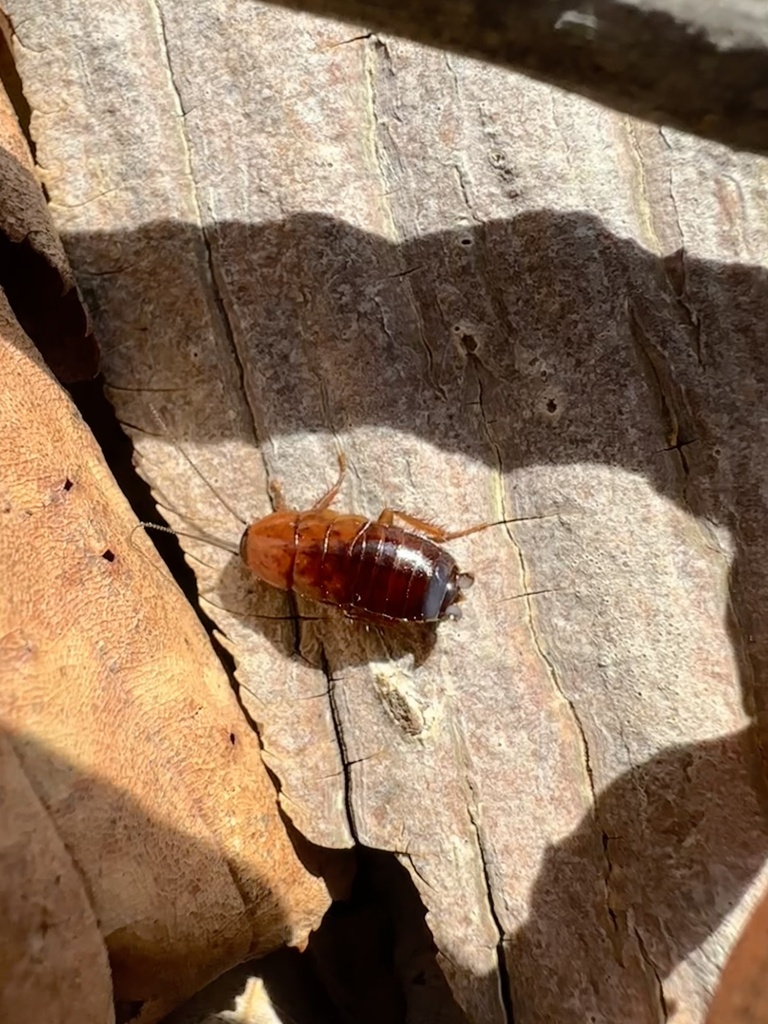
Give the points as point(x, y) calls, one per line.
point(697, 65)
point(499, 300)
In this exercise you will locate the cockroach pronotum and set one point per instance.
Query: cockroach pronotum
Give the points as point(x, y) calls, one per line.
point(371, 569)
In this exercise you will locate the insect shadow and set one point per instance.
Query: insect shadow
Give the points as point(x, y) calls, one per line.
point(315, 633)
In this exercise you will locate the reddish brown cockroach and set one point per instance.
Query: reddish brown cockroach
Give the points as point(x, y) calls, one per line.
point(370, 569)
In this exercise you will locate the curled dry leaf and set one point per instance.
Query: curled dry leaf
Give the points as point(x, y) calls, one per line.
point(52, 954)
point(138, 822)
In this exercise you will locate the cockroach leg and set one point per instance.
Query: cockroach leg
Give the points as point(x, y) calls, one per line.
point(276, 493)
point(436, 533)
point(328, 498)
point(455, 534)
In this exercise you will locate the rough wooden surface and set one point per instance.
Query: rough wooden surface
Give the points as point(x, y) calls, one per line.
point(698, 65)
point(499, 300)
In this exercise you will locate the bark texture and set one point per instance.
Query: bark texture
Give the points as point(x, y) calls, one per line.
point(697, 65)
point(501, 301)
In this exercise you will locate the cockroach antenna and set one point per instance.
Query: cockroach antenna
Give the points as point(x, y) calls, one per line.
point(195, 468)
point(382, 571)
point(530, 593)
point(205, 538)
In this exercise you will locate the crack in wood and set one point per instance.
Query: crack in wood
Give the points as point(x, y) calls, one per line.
point(389, 166)
point(545, 660)
point(662, 1001)
point(346, 763)
point(215, 285)
point(505, 990)
point(675, 270)
point(652, 361)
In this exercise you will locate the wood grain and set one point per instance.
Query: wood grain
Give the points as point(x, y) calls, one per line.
point(696, 65)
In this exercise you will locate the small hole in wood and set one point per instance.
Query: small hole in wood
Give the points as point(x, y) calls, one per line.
point(68, 484)
point(108, 556)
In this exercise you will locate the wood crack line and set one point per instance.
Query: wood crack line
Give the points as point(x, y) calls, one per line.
point(584, 744)
point(213, 275)
point(545, 660)
point(505, 990)
point(341, 743)
point(548, 663)
point(664, 1012)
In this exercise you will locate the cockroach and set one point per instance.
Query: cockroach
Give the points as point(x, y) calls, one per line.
point(371, 569)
